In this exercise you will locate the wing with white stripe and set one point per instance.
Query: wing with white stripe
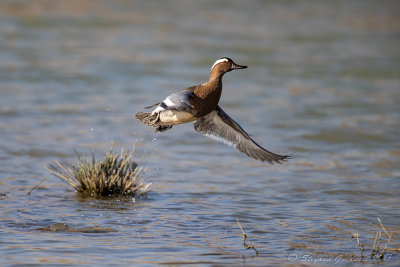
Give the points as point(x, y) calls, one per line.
point(220, 125)
point(178, 101)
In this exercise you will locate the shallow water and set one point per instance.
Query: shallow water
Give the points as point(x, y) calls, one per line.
point(323, 83)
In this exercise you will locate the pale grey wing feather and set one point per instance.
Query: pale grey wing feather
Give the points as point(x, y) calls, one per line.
point(179, 101)
point(220, 125)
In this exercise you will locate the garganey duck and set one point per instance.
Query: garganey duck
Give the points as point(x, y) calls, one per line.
point(200, 104)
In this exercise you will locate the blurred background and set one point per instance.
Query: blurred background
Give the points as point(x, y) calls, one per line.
point(323, 82)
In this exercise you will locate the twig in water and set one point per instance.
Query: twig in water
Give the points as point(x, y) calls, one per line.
point(376, 253)
point(377, 243)
point(361, 246)
point(247, 245)
point(36, 186)
point(381, 255)
point(383, 228)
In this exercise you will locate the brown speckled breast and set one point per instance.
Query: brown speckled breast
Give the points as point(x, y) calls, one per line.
point(205, 97)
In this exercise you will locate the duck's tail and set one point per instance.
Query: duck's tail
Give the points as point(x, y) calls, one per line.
point(147, 118)
point(152, 120)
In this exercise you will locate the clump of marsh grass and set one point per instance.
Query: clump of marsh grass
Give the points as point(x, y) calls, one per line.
point(116, 174)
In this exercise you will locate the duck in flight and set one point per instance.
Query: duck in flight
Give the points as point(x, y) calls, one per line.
point(200, 104)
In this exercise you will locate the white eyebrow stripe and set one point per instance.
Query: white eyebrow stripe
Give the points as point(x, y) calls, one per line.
point(219, 61)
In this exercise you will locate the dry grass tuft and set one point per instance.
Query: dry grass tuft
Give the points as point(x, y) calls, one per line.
point(112, 176)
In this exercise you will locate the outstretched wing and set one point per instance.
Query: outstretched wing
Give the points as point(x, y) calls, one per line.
point(218, 124)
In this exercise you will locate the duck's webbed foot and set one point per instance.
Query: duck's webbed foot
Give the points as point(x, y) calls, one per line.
point(162, 128)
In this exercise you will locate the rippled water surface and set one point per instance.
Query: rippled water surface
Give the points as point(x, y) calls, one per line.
point(323, 83)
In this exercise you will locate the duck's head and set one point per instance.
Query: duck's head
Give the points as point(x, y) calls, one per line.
point(224, 65)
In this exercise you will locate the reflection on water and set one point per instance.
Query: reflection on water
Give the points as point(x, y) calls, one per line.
point(323, 83)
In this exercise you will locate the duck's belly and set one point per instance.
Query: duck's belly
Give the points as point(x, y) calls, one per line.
point(176, 117)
